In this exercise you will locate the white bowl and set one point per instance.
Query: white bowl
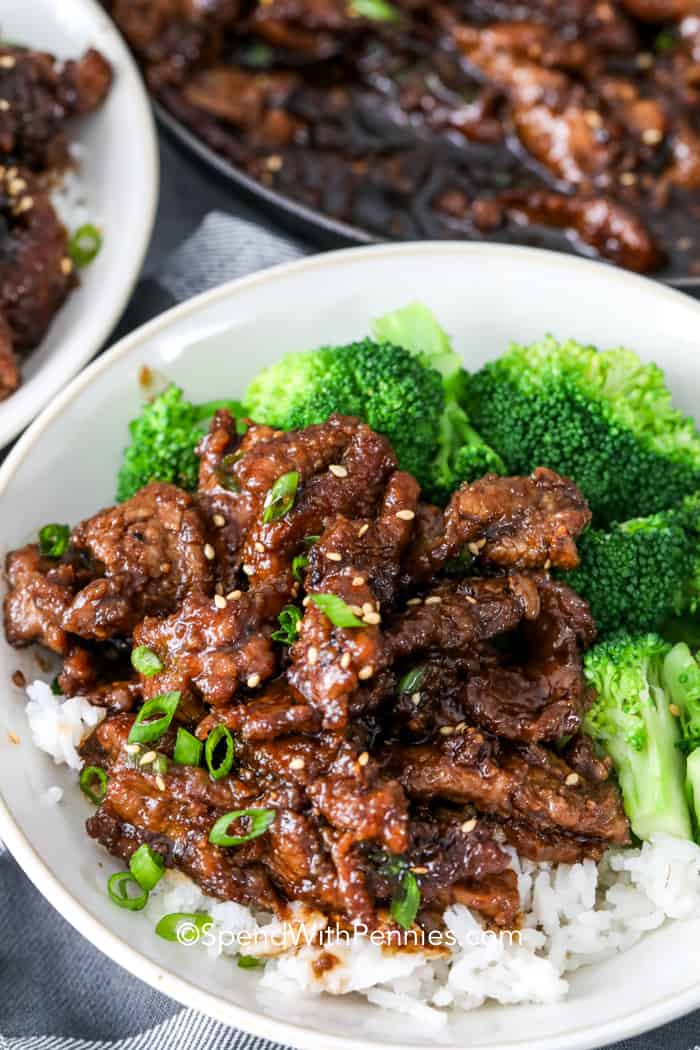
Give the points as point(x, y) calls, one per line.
point(120, 175)
point(65, 467)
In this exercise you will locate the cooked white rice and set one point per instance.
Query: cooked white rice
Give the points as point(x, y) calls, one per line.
point(575, 914)
point(69, 197)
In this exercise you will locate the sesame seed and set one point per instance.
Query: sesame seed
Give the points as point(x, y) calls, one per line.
point(220, 601)
point(363, 759)
point(365, 672)
point(684, 243)
point(160, 783)
point(334, 556)
point(358, 581)
point(480, 543)
point(406, 515)
point(469, 825)
point(146, 759)
point(219, 520)
point(548, 564)
point(338, 470)
point(419, 870)
point(8, 62)
point(628, 178)
point(572, 780)
point(652, 136)
point(434, 599)
point(367, 607)
point(345, 661)
point(131, 749)
point(414, 601)
point(26, 204)
point(362, 530)
point(306, 601)
point(209, 552)
point(473, 549)
point(447, 730)
point(274, 162)
point(312, 654)
point(460, 727)
point(233, 596)
point(470, 598)
point(17, 186)
point(372, 618)
point(415, 698)
point(593, 118)
point(253, 681)
point(297, 763)
point(12, 737)
point(4, 105)
point(66, 265)
point(644, 60)
point(260, 547)
point(675, 710)
point(356, 609)
point(249, 570)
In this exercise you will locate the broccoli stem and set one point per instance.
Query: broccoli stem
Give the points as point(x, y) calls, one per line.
point(692, 781)
point(681, 674)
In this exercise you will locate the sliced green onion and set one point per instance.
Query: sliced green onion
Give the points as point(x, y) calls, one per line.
point(224, 474)
point(310, 540)
point(375, 10)
point(118, 888)
point(260, 821)
point(406, 901)
point(56, 687)
point(281, 496)
point(144, 730)
point(183, 926)
point(147, 867)
point(85, 244)
point(145, 661)
point(338, 612)
point(289, 620)
point(87, 782)
point(160, 765)
point(412, 679)
point(299, 563)
point(53, 540)
point(188, 750)
point(249, 962)
point(213, 740)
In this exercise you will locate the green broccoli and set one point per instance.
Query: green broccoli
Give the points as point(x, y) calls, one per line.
point(602, 418)
point(632, 721)
point(163, 440)
point(681, 675)
point(461, 454)
point(383, 384)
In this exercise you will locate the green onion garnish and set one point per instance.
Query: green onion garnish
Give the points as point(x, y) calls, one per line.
point(56, 687)
point(249, 962)
point(281, 497)
point(224, 474)
point(143, 730)
point(85, 244)
point(299, 563)
point(188, 750)
point(289, 620)
point(160, 765)
point(260, 821)
point(183, 927)
point(213, 740)
point(53, 540)
point(309, 541)
point(406, 901)
point(88, 777)
point(412, 679)
point(376, 10)
point(338, 612)
point(147, 867)
point(145, 661)
point(118, 888)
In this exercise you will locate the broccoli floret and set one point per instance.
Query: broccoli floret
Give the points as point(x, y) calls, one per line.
point(461, 454)
point(681, 675)
point(383, 384)
point(602, 418)
point(632, 721)
point(163, 440)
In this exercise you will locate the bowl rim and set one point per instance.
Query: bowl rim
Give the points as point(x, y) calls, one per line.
point(160, 977)
point(16, 412)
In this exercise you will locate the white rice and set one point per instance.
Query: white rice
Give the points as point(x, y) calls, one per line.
point(69, 197)
point(574, 915)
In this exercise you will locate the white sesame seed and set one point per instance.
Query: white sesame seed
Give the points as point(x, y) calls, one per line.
point(367, 607)
point(419, 870)
point(259, 547)
point(131, 749)
point(628, 178)
point(652, 136)
point(362, 530)
point(334, 556)
point(219, 601)
point(572, 780)
point(4, 105)
point(274, 162)
point(358, 581)
point(460, 727)
point(209, 552)
point(312, 654)
point(345, 661)
point(372, 618)
point(365, 672)
point(548, 564)
point(480, 543)
point(219, 520)
point(146, 759)
point(593, 118)
point(160, 783)
point(414, 601)
point(297, 763)
point(645, 60)
point(306, 601)
point(434, 599)
point(253, 681)
point(415, 698)
point(406, 515)
point(447, 730)
point(363, 759)
point(470, 599)
point(338, 470)
point(469, 825)
point(233, 596)
point(26, 204)
point(473, 549)
point(8, 62)
point(249, 570)
point(16, 186)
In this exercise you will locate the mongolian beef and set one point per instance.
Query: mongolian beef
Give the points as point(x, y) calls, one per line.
point(542, 122)
point(374, 719)
point(38, 97)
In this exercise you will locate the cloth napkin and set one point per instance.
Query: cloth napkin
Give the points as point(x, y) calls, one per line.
point(58, 992)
